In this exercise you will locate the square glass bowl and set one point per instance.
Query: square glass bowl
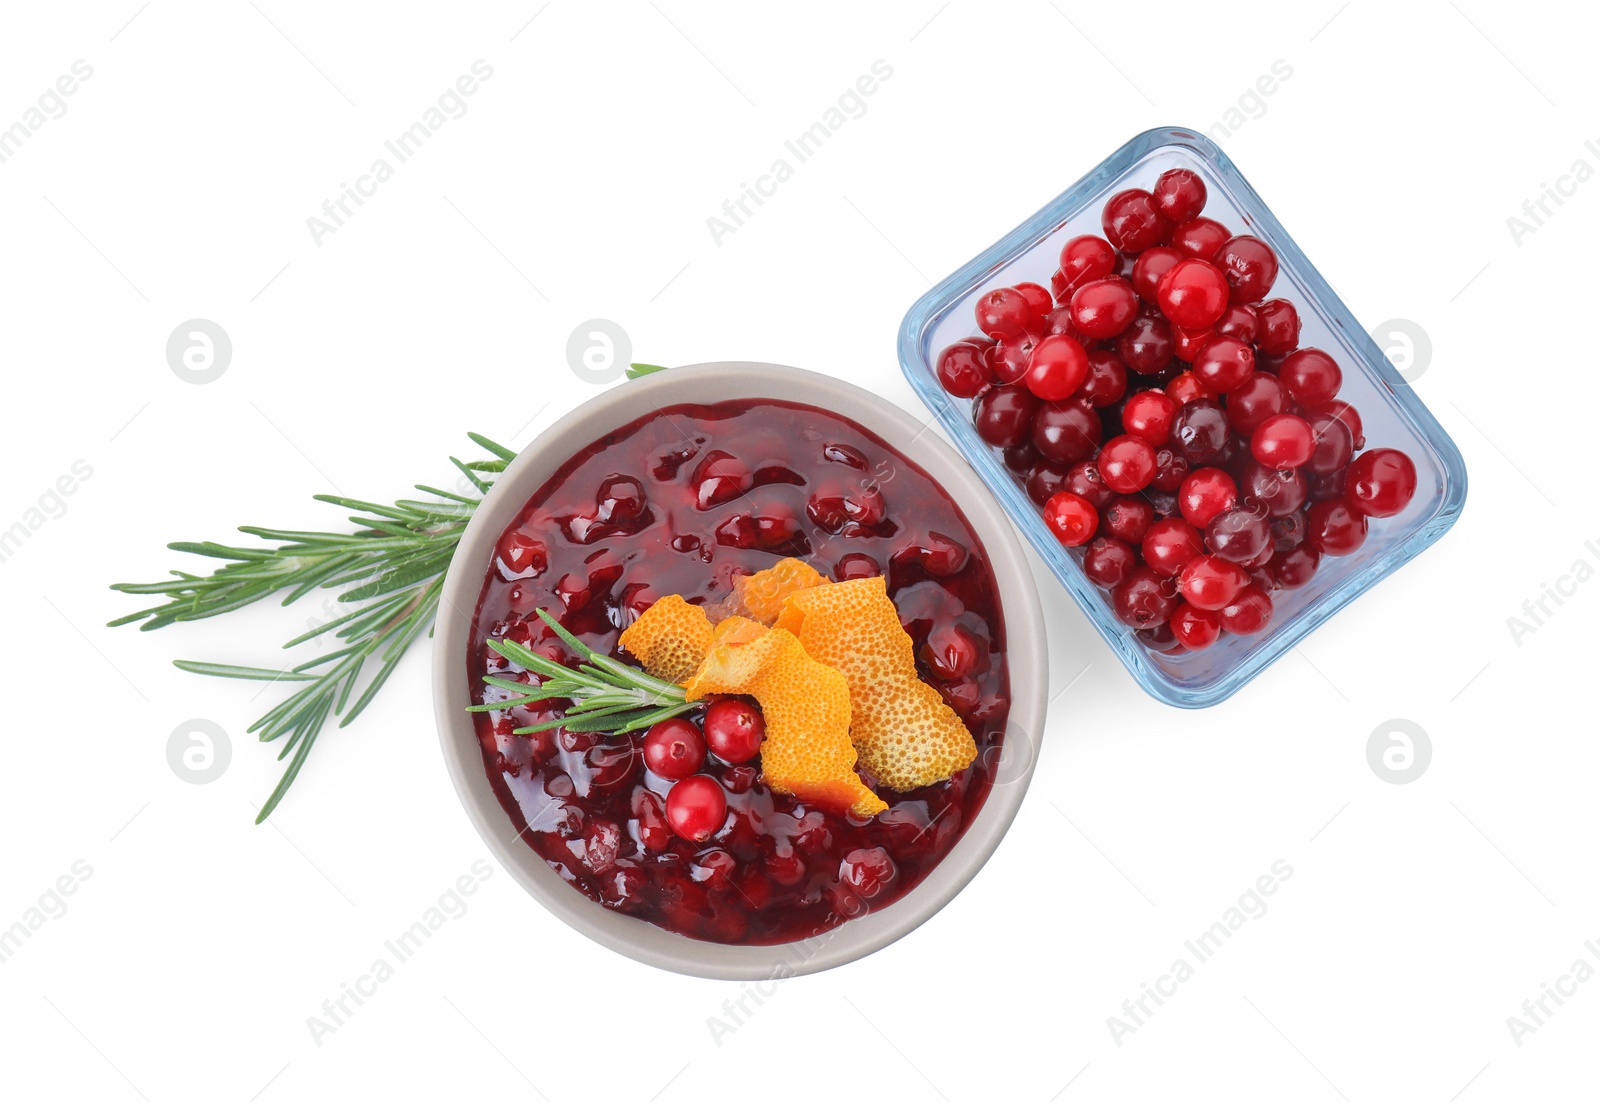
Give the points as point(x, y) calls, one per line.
point(1392, 415)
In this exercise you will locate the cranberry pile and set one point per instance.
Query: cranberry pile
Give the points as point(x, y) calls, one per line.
point(675, 825)
point(1160, 409)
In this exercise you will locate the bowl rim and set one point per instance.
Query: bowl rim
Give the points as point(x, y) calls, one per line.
point(930, 307)
point(1026, 654)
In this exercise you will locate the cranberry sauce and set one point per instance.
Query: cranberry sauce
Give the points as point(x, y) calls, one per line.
point(681, 502)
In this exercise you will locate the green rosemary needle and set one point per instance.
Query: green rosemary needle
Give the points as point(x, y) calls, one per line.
point(391, 569)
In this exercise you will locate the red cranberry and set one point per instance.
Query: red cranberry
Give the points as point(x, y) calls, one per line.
point(1282, 492)
point(719, 478)
point(1108, 560)
point(1310, 376)
point(1128, 518)
point(1038, 299)
point(1334, 528)
point(1255, 400)
point(1293, 569)
point(1186, 344)
point(1239, 534)
point(1107, 379)
point(1084, 258)
point(1169, 544)
point(1103, 308)
point(1143, 599)
point(1148, 414)
point(1380, 483)
point(1002, 313)
point(696, 808)
point(963, 371)
point(1200, 430)
point(1186, 388)
point(1223, 363)
point(1151, 265)
point(1248, 613)
point(1057, 368)
point(1178, 195)
point(714, 867)
point(839, 504)
point(620, 498)
point(1277, 327)
point(1209, 582)
point(741, 779)
point(1350, 416)
point(1127, 463)
point(1289, 531)
point(951, 653)
point(1043, 479)
point(1068, 431)
point(1283, 441)
point(1084, 480)
point(1132, 223)
point(1250, 265)
point(1239, 321)
point(1146, 346)
point(1332, 446)
point(856, 565)
point(1200, 238)
point(1193, 294)
point(1009, 359)
point(867, 871)
point(674, 748)
point(655, 834)
point(521, 556)
point(1004, 415)
point(1322, 488)
point(734, 729)
point(1195, 628)
point(1171, 469)
point(942, 556)
point(1072, 518)
point(1159, 638)
point(1205, 493)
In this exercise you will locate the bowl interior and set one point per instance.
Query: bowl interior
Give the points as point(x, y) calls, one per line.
point(1391, 413)
point(711, 383)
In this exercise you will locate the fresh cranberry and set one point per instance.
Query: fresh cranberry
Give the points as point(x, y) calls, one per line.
point(1059, 321)
point(1248, 613)
point(1277, 327)
point(1200, 430)
point(1332, 446)
point(1150, 266)
point(1171, 468)
point(1148, 414)
point(1066, 431)
point(1143, 599)
point(1223, 363)
point(1185, 388)
point(1084, 258)
point(1289, 531)
point(1335, 528)
point(1103, 308)
point(1132, 223)
point(1209, 582)
point(1146, 346)
point(867, 871)
point(1200, 238)
point(1057, 368)
point(1084, 480)
point(1169, 544)
point(1293, 569)
point(1379, 483)
point(856, 565)
point(1128, 517)
point(1283, 441)
point(1239, 534)
point(521, 555)
point(1127, 463)
point(1281, 491)
point(1159, 638)
point(719, 478)
point(1107, 380)
point(1186, 344)
point(1324, 488)
point(1239, 321)
point(1009, 359)
point(1038, 299)
point(1072, 518)
point(1255, 400)
point(1004, 415)
point(1178, 195)
point(1043, 479)
point(1310, 376)
point(1193, 294)
point(1195, 628)
point(696, 808)
point(1003, 312)
point(1205, 493)
point(1108, 560)
point(1250, 265)
point(733, 729)
point(1350, 416)
point(963, 371)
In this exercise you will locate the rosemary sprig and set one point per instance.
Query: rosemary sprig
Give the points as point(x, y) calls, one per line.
point(391, 568)
point(603, 694)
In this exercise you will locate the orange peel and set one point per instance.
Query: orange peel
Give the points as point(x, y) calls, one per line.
point(905, 732)
point(761, 596)
point(670, 638)
point(806, 706)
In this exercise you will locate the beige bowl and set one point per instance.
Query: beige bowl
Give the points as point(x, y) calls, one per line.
point(1025, 647)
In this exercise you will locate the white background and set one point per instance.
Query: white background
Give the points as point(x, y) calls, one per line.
point(177, 185)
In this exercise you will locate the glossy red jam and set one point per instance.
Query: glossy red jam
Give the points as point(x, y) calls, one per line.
point(681, 502)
